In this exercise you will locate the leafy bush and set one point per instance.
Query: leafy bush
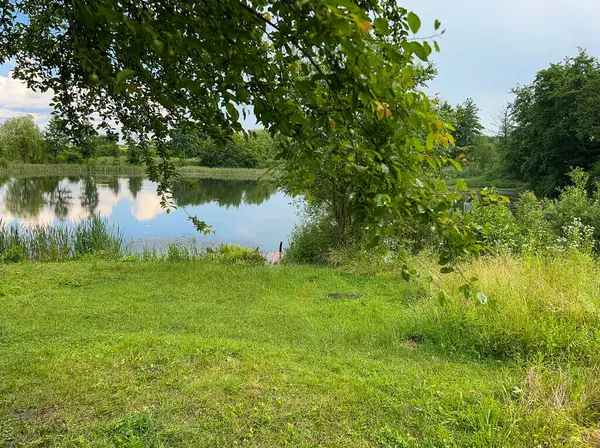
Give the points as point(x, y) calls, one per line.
point(107, 149)
point(234, 253)
point(536, 234)
point(232, 154)
point(311, 242)
point(569, 222)
point(3, 162)
point(14, 254)
point(69, 157)
point(498, 225)
point(255, 152)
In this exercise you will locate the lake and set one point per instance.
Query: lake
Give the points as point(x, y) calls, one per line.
point(251, 213)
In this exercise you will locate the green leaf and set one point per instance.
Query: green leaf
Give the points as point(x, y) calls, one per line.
point(436, 46)
point(407, 74)
point(413, 22)
point(443, 298)
point(233, 112)
point(382, 26)
point(461, 185)
point(159, 46)
point(455, 164)
point(437, 24)
point(405, 273)
point(124, 74)
point(431, 290)
point(427, 48)
point(467, 291)
point(418, 49)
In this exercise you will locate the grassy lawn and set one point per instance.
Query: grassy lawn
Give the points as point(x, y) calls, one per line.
point(207, 354)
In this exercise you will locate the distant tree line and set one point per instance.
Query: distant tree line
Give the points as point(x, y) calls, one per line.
point(552, 126)
point(22, 141)
point(256, 151)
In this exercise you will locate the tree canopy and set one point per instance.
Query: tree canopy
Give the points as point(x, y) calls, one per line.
point(557, 124)
point(467, 124)
point(55, 139)
point(335, 77)
point(21, 139)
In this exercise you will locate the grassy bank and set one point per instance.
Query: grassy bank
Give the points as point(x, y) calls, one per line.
point(153, 354)
point(129, 170)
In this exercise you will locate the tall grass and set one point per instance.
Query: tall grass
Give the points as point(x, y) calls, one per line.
point(115, 166)
point(540, 309)
point(70, 169)
point(45, 243)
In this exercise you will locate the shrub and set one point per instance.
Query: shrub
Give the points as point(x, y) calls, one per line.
point(577, 237)
point(3, 162)
point(232, 154)
point(69, 157)
point(14, 254)
point(569, 222)
point(575, 201)
point(499, 229)
point(234, 253)
point(536, 233)
point(311, 242)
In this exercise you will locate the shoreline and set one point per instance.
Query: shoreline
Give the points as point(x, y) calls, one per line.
point(35, 170)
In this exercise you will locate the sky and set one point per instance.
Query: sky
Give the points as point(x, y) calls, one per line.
point(489, 47)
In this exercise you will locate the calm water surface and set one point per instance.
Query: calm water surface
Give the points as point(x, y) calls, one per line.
point(252, 213)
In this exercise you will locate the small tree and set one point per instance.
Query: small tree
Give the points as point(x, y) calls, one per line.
point(56, 140)
point(106, 145)
point(21, 140)
point(335, 77)
point(467, 124)
point(185, 143)
point(134, 152)
point(504, 123)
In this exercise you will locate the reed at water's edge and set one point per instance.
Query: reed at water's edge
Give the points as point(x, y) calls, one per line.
point(109, 166)
point(97, 237)
point(93, 236)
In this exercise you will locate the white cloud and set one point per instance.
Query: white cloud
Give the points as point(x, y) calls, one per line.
point(17, 99)
point(146, 206)
point(107, 199)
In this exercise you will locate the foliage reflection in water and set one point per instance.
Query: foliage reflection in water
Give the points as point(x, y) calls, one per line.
point(245, 212)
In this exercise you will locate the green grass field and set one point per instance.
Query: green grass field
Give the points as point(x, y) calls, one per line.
point(205, 354)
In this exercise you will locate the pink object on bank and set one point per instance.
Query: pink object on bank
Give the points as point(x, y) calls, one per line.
point(278, 255)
